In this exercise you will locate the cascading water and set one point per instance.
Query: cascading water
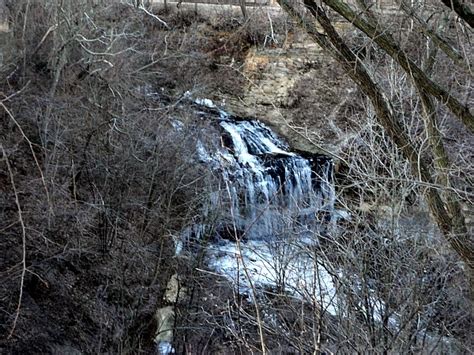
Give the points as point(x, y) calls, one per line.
point(271, 191)
point(273, 201)
point(265, 215)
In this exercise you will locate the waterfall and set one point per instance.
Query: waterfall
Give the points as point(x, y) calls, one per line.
point(273, 200)
point(261, 224)
point(271, 190)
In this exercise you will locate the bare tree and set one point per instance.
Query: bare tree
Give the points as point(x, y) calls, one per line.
point(462, 9)
point(445, 207)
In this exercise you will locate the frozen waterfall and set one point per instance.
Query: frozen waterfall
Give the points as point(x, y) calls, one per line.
point(271, 200)
point(271, 191)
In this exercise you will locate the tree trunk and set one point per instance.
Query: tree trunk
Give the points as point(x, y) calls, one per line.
point(453, 227)
point(463, 10)
point(383, 38)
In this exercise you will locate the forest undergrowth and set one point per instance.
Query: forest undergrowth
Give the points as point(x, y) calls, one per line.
point(96, 182)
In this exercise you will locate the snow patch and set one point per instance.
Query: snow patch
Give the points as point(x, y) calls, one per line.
point(277, 266)
point(205, 102)
point(165, 348)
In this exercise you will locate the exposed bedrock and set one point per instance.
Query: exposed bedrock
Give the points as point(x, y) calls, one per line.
point(300, 93)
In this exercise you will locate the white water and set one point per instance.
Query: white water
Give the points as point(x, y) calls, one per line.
point(278, 267)
point(271, 191)
point(274, 201)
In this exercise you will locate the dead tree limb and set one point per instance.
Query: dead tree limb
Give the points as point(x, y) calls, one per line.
point(386, 41)
point(336, 47)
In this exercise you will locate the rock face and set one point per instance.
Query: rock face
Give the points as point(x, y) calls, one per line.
point(165, 316)
point(300, 93)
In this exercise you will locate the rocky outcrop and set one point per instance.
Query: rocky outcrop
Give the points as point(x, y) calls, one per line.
point(165, 316)
point(300, 92)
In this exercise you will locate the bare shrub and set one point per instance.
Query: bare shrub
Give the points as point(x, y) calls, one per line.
point(103, 176)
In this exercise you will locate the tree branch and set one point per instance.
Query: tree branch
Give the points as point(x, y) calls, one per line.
point(355, 69)
point(390, 46)
point(463, 10)
point(23, 243)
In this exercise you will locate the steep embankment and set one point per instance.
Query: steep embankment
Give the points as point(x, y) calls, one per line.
point(98, 180)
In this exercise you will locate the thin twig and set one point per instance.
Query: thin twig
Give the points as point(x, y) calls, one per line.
point(241, 257)
point(16, 93)
point(23, 243)
point(30, 144)
point(141, 7)
point(50, 29)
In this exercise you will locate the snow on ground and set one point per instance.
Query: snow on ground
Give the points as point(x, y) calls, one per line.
point(205, 102)
point(279, 265)
point(275, 265)
point(165, 348)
